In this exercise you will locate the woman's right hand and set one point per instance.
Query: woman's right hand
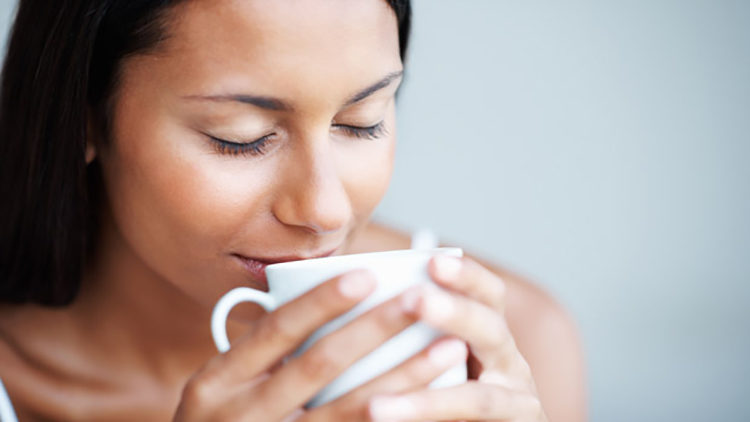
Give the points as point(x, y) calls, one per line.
point(246, 383)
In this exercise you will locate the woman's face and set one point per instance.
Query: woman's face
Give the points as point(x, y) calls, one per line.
point(260, 129)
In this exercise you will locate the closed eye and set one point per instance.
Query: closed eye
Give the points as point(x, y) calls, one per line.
point(368, 132)
point(257, 147)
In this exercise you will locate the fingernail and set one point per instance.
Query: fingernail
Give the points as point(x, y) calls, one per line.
point(447, 353)
point(410, 300)
point(391, 408)
point(447, 267)
point(355, 285)
point(437, 305)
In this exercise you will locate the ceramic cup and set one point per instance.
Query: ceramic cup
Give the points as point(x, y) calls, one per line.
point(394, 271)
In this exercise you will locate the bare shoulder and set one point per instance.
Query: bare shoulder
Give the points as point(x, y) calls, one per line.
point(543, 330)
point(530, 308)
point(528, 304)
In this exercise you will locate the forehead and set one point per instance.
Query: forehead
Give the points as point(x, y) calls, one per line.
point(275, 44)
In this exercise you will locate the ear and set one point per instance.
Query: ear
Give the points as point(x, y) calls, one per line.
point(90, 151)
point(90, 137)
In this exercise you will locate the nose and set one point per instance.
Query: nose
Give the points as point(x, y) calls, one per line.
point(312, 194)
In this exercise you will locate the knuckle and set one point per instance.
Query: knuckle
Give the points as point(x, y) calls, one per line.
point(199, 389)
point(491, 285)
point(418, 372)
point(494, 288)
point(380, 320)
point(489, 398)
point(501, 290)
point(498, 336)
point(522, 367)
point(320, 362)
point(506, 346)
point(532, 406)
point(387, 316)
point(536, 405)
point(337, 411)
point(275, 329)
point(492, 400)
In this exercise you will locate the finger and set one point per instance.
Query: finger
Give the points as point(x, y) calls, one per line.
point(470, 401)
point(420, 369)
point(468, 277)
point(278, 333)
point(416, 372)
point(481, 326)
point(299, 379)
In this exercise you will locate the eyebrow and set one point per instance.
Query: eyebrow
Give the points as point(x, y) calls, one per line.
point(377, 86)
point(267, 103)
point(275, 104)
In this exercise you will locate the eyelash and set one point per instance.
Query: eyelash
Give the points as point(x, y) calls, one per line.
point(370, 132)
point(258, 147)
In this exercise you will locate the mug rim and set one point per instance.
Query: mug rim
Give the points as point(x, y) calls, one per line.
point(365, 255)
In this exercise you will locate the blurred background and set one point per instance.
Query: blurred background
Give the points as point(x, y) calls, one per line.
point(600, 148)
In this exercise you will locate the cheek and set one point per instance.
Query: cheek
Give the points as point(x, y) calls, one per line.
point(367, 173)
point(175, 202)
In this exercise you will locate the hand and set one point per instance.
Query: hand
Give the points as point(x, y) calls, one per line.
point(247, 382)
point(471, 307)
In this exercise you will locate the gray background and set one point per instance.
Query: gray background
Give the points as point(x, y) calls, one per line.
point(600, 148)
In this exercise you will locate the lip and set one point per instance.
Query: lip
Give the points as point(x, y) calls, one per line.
point(256, 267)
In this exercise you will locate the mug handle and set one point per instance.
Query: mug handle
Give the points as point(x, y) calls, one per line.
point(229, 301)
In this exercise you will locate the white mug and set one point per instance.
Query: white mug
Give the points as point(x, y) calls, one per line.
point(394, 271)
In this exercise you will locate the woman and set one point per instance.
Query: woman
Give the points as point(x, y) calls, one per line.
point(154, 153)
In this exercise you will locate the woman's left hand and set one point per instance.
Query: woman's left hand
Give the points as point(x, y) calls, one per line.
point(470, 307)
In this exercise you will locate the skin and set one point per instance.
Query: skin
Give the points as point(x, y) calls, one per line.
point(136, 346)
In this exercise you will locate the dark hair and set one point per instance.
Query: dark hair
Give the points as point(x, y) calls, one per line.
point(62, 63)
